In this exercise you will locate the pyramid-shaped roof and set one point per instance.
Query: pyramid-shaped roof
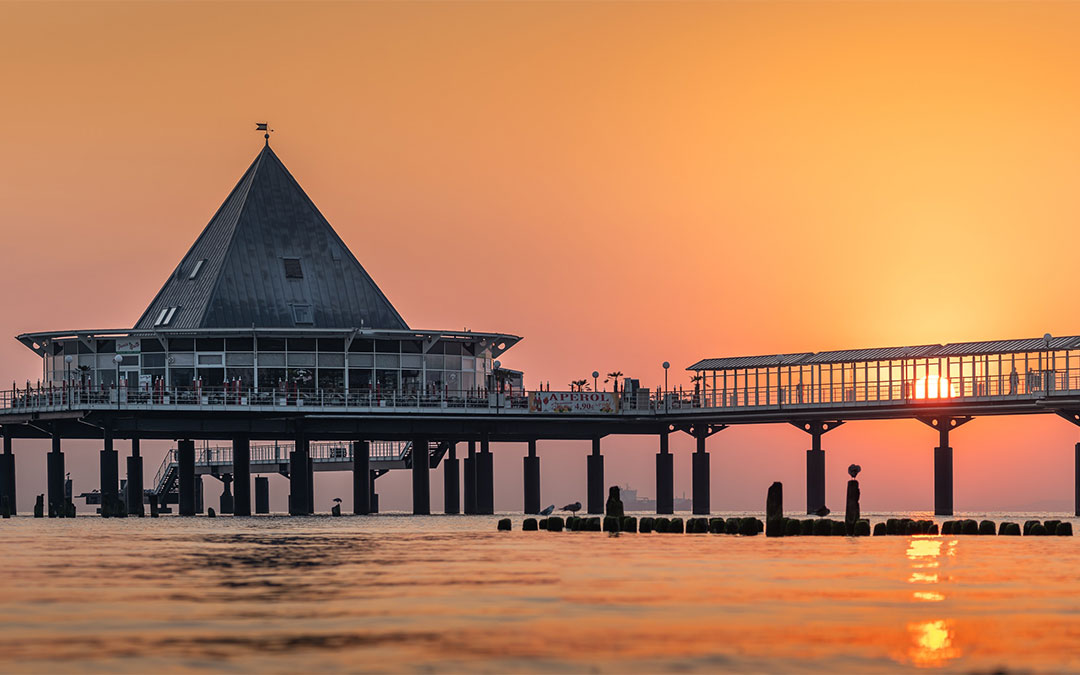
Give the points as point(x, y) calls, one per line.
point(269, 259)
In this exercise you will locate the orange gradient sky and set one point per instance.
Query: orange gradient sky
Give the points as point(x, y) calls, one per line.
point(620, 183)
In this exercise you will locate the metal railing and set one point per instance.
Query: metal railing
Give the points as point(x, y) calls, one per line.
point(278, 453)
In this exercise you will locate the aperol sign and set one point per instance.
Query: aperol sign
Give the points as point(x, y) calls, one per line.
point(573, 402)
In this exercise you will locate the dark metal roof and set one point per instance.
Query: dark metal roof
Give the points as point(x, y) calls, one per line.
point(892, 353)
point(735, 362)
point(266, 219)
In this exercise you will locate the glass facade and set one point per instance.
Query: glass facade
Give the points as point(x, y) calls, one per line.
point(430, 364)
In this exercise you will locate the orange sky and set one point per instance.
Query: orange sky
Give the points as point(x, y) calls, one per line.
point(620, 183)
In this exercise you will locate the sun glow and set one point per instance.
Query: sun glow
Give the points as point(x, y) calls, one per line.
point(934, 386)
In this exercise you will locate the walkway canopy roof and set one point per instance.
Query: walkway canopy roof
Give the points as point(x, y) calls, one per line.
point(1024, 345)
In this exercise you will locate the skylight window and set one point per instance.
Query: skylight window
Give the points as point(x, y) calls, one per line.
point(195, 270)
point(302, 314)
point(293, 270)
point(161, 317)
point(165, 316)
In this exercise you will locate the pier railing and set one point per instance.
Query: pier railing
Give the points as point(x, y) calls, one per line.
point(275, 454)
point(1031, 386)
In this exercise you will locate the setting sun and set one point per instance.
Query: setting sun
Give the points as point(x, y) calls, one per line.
point(934, 386)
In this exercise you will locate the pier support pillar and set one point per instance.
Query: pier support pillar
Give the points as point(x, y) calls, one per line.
point(109, 475)
point(700, 468)
point(1076, 484)
point(451, 484)
point(943, 481)
point(485, 480)
point(262, 494)
point(55, 479)
point(200, 504)
point(298, 477)
point(7, 475)
point(595, 479)
point(943, 462)
point(421, 479)
point(225, 504)
point(469, 480)
point(815, 463)
point(135, 481)
point(241, 447)
point(665, 478)
point(185, 458)
point(361, 483)
point(532, 480)
point(310, 484)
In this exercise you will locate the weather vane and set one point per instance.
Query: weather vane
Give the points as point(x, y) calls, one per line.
point(263, 126)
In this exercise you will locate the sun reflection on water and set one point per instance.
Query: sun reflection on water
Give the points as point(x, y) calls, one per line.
point(932, 642)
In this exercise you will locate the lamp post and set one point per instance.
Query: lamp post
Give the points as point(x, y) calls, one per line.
point(666, 366)
point(118, 360)
point(595, 377)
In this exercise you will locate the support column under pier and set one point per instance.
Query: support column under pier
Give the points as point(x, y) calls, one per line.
point(1076, 483)
point(485, 480)
point(109, 475)
point(185, 458)
point(55, 479)
point(532, 480)
point(595, 479)
point(7, 476)
point(451, 484)
point(701, 478)
point(361, 483)
point(262, 494)
point(298, 477)
point(421, 478)
point(665, 478)
point(241, 476)
point(943, 462)
point(135, 481)
point(374, 495)
point(469, 480)
point(310, 484)
point(815, 463)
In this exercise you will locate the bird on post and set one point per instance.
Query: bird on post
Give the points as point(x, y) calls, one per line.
point(854, 470)
point(572, 508)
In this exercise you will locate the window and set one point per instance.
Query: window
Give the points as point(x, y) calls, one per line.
point(169, 316)
point(293, 269)
point(302, 314)
point(161, 317)
point(195, 270)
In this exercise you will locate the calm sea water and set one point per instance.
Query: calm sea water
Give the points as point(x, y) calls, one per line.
point(449, 593)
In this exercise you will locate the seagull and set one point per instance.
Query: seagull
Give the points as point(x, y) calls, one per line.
point(822, 512)
point(548, 510)
point(854, 470)
point(572, 508)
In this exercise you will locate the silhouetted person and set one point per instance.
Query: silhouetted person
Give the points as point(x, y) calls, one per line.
point(1014, 381)
point(614, 503)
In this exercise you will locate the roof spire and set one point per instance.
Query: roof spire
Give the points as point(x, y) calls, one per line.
point(263, 126)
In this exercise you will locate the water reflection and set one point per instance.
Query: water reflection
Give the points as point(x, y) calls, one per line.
point(931, 641)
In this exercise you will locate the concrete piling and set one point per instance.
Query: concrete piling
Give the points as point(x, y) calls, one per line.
point(665, 477)
point(943, 476)
point(7, 473)
point(55, 479)
point(361, 483)
point(241, 502)
point(852, 514)
point(815, 475)
point(135, 481)
point(421, 481)
point(39, 507)
point(505, 525)
point(529, 525)
point(485, 479)
point(531, 477)
point(109, 476)
point(185, 457)
point(262, 494)
point(468, 480)
point(451, 482)
point(298, 472)
point(595, 479)
point(153, 506)
point(700, 476)
point(225, 502)
point(986, 527)
point(310, 484)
